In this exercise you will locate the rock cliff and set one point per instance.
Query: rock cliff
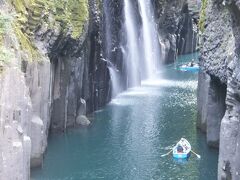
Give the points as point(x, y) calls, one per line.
point(177, 22)
point(218, 94)
point(51, 75)
point(54, 67)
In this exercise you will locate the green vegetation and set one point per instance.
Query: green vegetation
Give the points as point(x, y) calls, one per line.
point(5, 25)
point(99, 3)
point(70, 15)
point(3, 21)
point(203, 15)
point(26, 44)
point(5, 54)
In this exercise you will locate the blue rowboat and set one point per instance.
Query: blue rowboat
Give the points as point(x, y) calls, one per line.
point(194, 68)
point(182, 150)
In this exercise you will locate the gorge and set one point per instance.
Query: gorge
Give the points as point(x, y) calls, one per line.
point(129, 135)
point(61, 61)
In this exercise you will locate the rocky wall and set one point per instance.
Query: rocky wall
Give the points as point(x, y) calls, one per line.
point(177, 24)
point(219, 59)
point(54, 69)
point(215, 110)
point(52, 75)
point(202, 94)
point(25, 114)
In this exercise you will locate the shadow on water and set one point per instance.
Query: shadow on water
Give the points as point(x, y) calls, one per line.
point(131, 133)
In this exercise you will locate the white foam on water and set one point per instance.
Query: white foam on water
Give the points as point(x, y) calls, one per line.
point(170, 83)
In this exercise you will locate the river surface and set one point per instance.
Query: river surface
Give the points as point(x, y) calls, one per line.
point(128, 136)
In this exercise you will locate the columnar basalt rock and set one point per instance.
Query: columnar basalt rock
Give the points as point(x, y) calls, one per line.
point(54, 69)
point(177, 27)
point(215, 110)
point(219, 59)
point(52, 75)
point(203, 90)
point(211, 107)
point(38, 79)
point(16, 111)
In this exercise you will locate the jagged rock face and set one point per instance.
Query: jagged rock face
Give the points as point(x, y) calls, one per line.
point(219, 59)
point(57, 72)
point(52, 71)
point(112, 24)
point(25, 103)
point(176, 27)
point(211, 107)
point(215, 110)
point(176, 23)
point(79, 75)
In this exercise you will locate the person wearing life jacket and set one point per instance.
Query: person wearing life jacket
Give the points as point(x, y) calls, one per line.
point(179, 148)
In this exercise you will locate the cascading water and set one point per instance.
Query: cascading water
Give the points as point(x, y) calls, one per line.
point(115, 80)
point(140, 45)
point(132, 51)
point(143, 48)
point(151, 45)
point(114, 72)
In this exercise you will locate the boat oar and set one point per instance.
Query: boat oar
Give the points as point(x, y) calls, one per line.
point(198, 156)
point(166, 153)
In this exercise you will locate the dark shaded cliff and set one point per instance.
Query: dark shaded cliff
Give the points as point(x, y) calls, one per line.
point(81, 77)
point(52, 75)
point(54, 62)
point(218, 94)
point(177, 22)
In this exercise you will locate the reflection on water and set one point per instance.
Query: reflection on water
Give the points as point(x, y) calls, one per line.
point(129, 135)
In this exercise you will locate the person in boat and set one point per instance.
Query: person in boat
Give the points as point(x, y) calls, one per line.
point(179, 148)
point(191, 64)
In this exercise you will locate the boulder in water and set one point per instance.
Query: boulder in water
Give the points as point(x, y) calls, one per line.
point(83, 121)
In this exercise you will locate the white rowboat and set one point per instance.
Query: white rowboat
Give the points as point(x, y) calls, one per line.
point(182, 150)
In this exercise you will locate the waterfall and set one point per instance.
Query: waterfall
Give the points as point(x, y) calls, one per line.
point(140, 45)
point(151, 47)
point(115, 81)
point(131, 48)
point(114, 73)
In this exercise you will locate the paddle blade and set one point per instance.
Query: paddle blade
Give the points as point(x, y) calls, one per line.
point(166, 153)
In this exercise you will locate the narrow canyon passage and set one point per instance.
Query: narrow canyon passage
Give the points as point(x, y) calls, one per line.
point(92, 89)
point(129, 135)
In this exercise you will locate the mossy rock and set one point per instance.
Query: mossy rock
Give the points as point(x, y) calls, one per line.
point(71, 14)
point(202, 20)
point(5, 24)
point(5, 57)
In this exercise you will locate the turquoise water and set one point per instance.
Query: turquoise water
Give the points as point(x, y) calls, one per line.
point(127, 137)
